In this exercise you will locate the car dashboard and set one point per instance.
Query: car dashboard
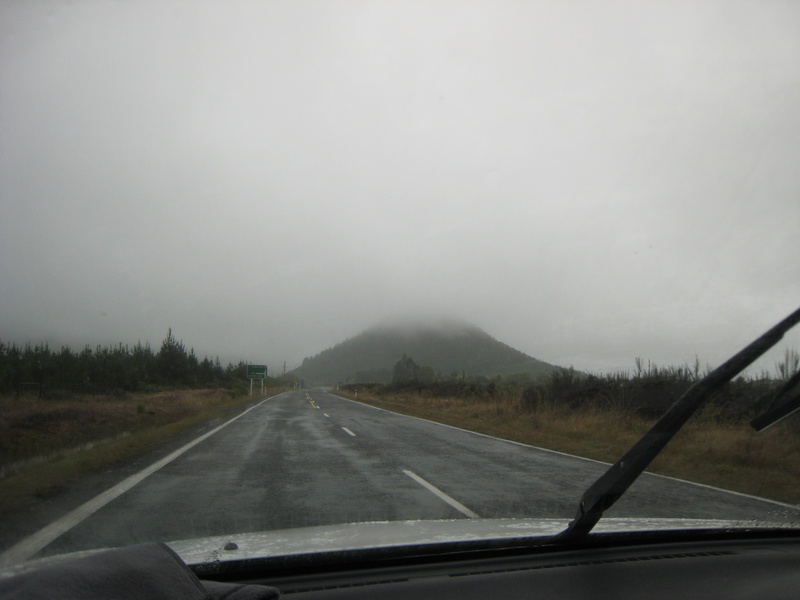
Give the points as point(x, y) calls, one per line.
point(713, 565)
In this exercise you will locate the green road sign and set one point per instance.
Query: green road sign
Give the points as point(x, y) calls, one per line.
point(256, 371)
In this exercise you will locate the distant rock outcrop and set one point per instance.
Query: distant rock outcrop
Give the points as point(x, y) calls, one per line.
point(450, 348)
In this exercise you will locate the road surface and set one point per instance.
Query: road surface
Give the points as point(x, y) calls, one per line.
point(306, 458)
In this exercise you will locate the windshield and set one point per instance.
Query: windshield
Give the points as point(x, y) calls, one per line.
point(272, 266)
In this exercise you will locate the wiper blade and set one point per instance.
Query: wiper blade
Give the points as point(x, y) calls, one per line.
point(778, 412)
point(604, 492)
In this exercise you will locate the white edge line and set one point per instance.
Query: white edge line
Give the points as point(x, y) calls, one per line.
point(25, 549)
point(599, 462)
point(437, 492)
point(348, 431)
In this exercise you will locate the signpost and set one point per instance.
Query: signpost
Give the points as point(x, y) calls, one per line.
point(256, 372)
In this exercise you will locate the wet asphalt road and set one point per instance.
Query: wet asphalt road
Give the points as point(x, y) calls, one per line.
point(307, 458)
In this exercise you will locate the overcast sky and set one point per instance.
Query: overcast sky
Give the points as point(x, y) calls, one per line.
point(587, 181)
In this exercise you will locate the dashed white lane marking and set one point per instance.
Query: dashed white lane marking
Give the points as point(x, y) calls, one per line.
point(572, 456)
point(26, 548)
point(347, 431)
point(436, 491)
point(327, 415)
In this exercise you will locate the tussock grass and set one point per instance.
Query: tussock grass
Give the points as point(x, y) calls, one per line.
point(45, 445)
point(31, 428)
point(709, 450)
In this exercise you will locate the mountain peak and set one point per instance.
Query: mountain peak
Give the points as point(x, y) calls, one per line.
point(410, 325)
point(450, 346)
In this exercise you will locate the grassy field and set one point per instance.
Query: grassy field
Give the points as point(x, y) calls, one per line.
point(47, 444)
point(729, 455)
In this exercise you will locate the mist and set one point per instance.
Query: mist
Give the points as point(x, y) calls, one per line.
point(588, 182)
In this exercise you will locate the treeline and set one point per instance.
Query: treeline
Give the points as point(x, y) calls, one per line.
point(647, 391)
point(36, 369)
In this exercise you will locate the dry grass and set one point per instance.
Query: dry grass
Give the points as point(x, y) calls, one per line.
point(47, 444)
point(727, 455)
point(31, 428)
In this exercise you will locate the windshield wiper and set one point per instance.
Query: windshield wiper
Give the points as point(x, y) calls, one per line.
point(613, 483)
point(777, 412)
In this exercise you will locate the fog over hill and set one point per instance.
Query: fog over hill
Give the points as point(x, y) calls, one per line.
point(450, 347)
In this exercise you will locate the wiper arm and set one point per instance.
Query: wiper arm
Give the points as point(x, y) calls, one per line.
point(778, 412)
point(613, 483)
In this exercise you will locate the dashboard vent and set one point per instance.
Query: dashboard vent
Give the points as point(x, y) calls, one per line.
point(576, 563)
point(339, 586)
point(604, 561)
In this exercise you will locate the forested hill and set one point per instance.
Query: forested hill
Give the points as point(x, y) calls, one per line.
point(449, 349)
